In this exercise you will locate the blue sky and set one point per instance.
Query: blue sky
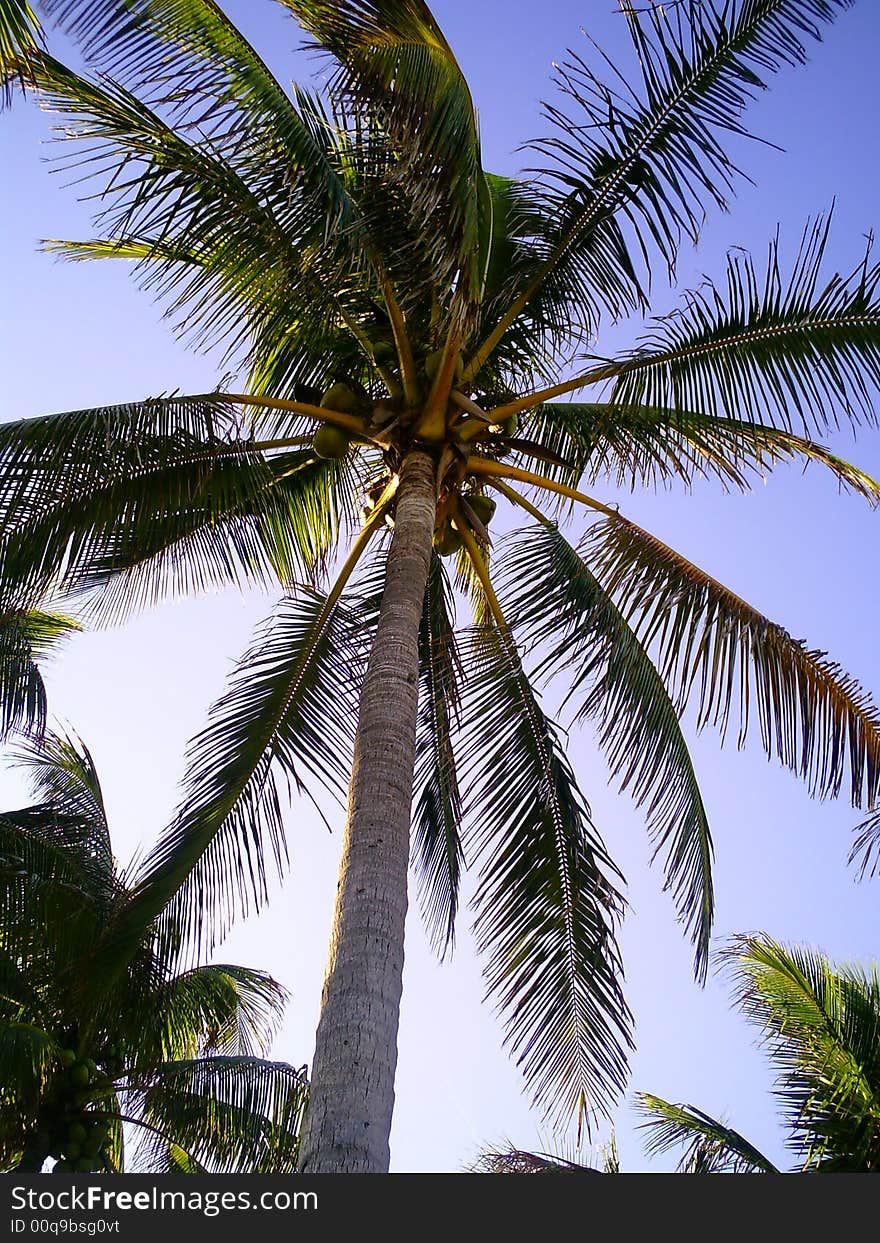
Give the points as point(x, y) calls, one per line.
point(75, 336)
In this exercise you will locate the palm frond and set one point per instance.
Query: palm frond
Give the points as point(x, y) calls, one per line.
point(710, 1146)
point(396, 65)
point(652, 152)
point(233, 1114)
point(546, 904)
point(437, 806)
point(558, 605)
point(768, 349)
point(20, 34)
point(713, 647)
point(220, 1009)
point(867, 844)
point(125, 504)
point(648, 446)
point(27, 637)
point(289, 709)
point(518, 1161)
point(821, 1028)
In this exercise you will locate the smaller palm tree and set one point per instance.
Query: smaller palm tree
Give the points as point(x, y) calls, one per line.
point(820, 1022)
point(178, 1055)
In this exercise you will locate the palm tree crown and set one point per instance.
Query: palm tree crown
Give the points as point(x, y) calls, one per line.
point(174, 1053)
point(406, 323)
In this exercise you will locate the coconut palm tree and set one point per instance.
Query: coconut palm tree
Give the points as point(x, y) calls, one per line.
point(406, 324)
point(820, 1024)
point(175, 1054)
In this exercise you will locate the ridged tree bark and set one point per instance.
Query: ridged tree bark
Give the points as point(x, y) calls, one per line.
point(351, 1099)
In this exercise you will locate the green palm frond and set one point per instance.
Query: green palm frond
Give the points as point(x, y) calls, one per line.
point(20, 35)
point(232, 1114)
point(546, 904)
point(767, 349)
point(714, 648)
point(652, 151)
point(230, 1010)
point(289, 709)
point(27, 637)
point(62, 777)
point(395, 63)
point(556, 603)
point(821, 1028)
point(710, 1146)
point(133, 502)
point(27, 1055)
point(632, 447)
point(437, 804)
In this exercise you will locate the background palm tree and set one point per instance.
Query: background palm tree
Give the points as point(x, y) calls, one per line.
point(423, 315)
point(820, 1024)
point(174, 1054)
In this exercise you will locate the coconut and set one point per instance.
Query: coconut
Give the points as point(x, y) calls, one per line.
point(447, 540)
point(78, 1075)
point(76, 1133)
point(484, 507)
point(510, 426)
point(330, 441)
point(339, 397)
point(433, 361)
point(384, 351)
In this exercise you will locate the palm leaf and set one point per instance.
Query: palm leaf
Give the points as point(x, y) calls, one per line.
point(127, 503)
point(395, 63)
point(652, 151)
point(766, 349)
point(20, 34)
point(648, 446)
point(289, 709)
point(714, 647)
point(546, 902)
point(233, 1114)
point(437, 805)
point(27, 637)
point(220, 1008)
point(551, 596)
point(821, 1027)
point(710, 1146)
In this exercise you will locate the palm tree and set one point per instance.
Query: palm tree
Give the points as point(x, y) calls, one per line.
point(174, 1054)
point(820, 1024)
point(407, 323)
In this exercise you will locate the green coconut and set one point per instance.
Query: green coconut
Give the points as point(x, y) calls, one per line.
point(330, 441)
point(433, 361)
point(76, 1133)
point(68, 1057)
point(384, 351)
point(339, 397)
point(447, 540)
point(510, 425)
point(79, 1075)
point(484, 507)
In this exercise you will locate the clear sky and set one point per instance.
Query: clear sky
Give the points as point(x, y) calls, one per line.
point(74, 336)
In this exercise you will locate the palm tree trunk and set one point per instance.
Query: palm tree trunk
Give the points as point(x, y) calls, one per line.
point(352, 1086)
